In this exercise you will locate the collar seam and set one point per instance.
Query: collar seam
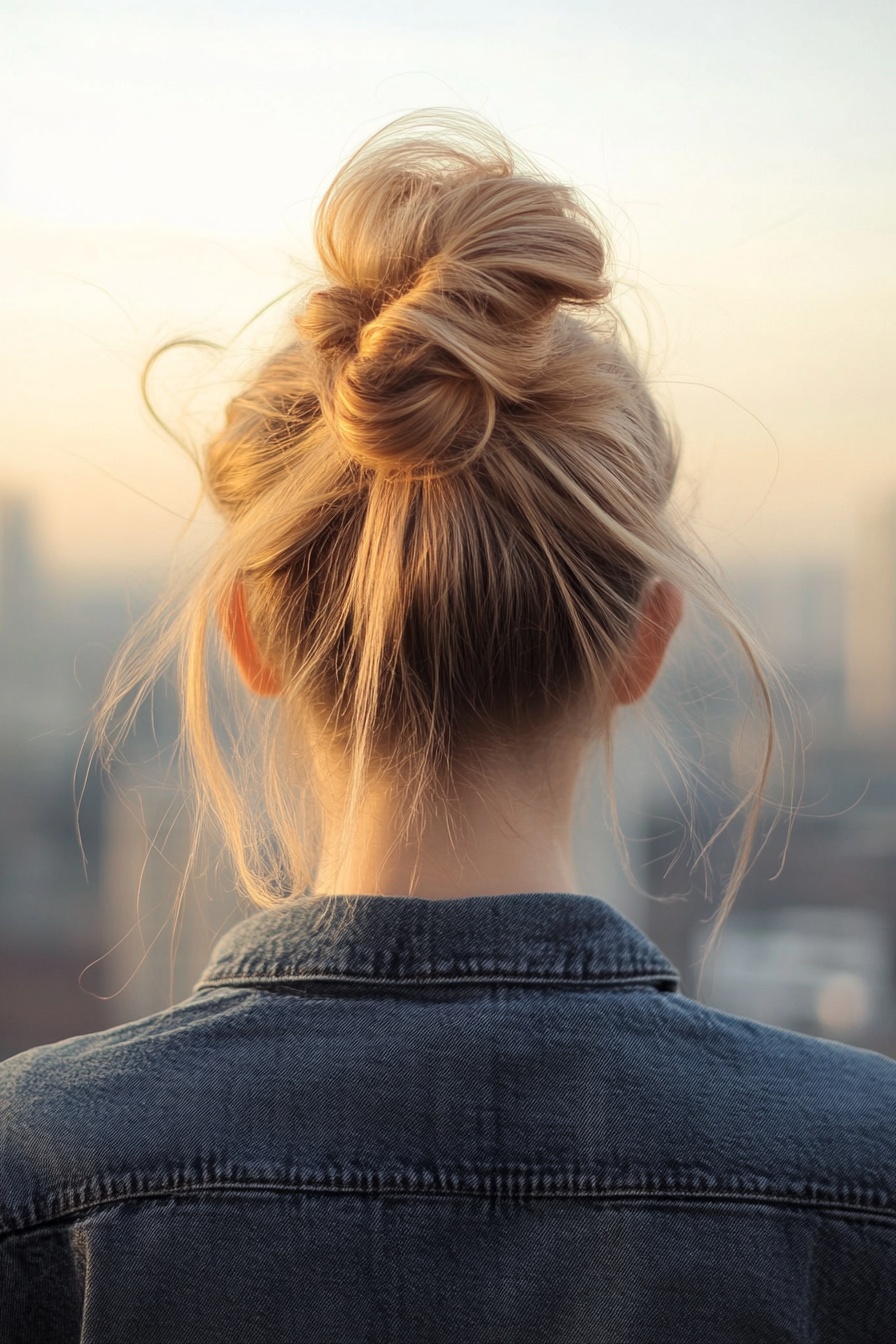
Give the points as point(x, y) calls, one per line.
point(647, 976)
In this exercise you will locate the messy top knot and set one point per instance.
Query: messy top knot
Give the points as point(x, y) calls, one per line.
point(446, 495)
point(448, 270)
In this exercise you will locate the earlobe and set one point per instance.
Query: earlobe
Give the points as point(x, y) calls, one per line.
point(258, 675)
point(662, 607)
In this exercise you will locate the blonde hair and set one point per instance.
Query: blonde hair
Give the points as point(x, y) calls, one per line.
point(444, 497)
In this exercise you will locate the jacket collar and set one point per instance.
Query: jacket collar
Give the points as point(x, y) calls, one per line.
point(526, 938)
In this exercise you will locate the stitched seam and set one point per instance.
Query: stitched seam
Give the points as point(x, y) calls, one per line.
point(490, 978)
point(380, 1188)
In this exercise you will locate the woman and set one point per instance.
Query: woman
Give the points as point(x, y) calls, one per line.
point(430, 1092)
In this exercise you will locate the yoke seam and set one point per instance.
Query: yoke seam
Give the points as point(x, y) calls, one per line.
point(382, 1189)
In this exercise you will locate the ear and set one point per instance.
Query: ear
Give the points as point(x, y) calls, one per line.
point(258, 675)
point(661, 609)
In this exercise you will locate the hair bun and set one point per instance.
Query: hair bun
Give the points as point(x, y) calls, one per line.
point(448, 271)
point(333, 318)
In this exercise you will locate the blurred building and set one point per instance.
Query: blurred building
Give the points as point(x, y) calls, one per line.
point(84, 888)
point(871, 626)
point(799, 612)
point(158, 929)
point(811, 941)
point(18, 565)
point(47, 915)
point(21, 594)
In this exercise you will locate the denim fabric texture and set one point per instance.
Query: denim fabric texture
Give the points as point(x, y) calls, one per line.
point(485, 1120)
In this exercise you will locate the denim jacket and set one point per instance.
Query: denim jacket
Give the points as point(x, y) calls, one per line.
point(480, 1121)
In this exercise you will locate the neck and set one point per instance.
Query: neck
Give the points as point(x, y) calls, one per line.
point(514, 839)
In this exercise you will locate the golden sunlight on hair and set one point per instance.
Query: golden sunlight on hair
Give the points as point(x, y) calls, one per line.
point(448, 510)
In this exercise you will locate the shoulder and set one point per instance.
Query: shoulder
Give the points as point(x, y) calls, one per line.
point(794, 1058)
point(796, 1109)
point(91, 1107)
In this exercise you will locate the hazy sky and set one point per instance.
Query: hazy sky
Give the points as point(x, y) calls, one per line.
point(160, 164)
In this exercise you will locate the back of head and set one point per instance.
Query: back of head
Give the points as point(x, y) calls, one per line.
point(445, 494)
